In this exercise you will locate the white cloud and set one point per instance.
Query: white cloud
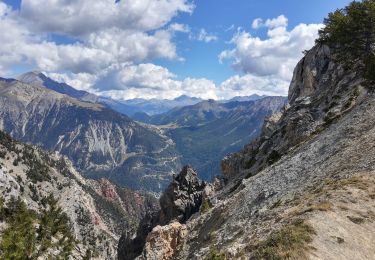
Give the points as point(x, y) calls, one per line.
point(251, 84)
point(101, 44)
point(113, 54)
point(205, 36)
point(257, 23)
point(150, 81)
point(276, 55)
point(80, 18)
point(81, 81)
point(280, 21)
point(178, 27)
point(134, 46)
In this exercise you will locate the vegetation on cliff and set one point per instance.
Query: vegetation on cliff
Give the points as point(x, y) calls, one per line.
point(29, 235)
point(350, 33)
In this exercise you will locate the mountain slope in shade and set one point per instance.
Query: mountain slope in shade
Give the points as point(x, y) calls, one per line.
point(199, 113)
point(99, 141)
point(98, 211)
point(204, 133)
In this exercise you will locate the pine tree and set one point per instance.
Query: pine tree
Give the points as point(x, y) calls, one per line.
point(350, 33)
point(29, 235)
point(18, 240)
point(54, 224)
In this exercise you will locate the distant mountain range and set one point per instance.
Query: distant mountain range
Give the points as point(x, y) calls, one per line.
point(105, 143)
point(159, 106)
point(135, 108)
point(205, 132)
point(127, 107)
point(99, 141)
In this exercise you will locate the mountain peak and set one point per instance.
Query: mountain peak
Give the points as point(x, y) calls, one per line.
point(35, 78)
point(186, 98)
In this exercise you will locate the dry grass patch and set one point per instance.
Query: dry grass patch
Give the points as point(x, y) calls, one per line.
point(356, 181)
point(290, 242)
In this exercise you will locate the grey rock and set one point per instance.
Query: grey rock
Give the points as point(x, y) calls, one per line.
point(180, 200)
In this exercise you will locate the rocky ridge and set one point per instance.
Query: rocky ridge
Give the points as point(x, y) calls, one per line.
point(304, 189)
point(99, 212)
point(179, 201)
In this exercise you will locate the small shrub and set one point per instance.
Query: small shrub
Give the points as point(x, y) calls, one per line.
point(206, 205)
point(340, 240)
point(287, 243)
point(16, 161)
point(370, 67)
point(273, 157)
point(356, 220)
point(250, 163)
point(215, 255)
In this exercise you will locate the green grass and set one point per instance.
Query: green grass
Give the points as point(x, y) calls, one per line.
point(290, 242)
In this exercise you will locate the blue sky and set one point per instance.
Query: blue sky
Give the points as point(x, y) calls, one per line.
point(125, 51)
point(217, 16)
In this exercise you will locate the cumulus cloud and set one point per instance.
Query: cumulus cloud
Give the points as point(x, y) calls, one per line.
point(109, 34)
point(81, 81)
point(80, 18)
point(251, 84)
point(114, 43)
point(257, 23)
point(150, 81)
point(271, 60)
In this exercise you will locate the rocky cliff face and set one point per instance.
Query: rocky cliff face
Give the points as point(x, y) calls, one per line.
point(180, 200)
point(320, 92)
point(99, 141)
point(98, 212)
point(304, 189)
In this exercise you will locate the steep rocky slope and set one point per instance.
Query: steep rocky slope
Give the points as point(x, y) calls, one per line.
point(98, 212)
point(320, 93)
point(304, 189)
point(179, 201)
point(99, 141)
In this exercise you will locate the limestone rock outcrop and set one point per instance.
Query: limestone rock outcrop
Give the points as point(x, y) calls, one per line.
point(183, 197)
point(180, 200)
point(164, 242)
point(320, 92)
